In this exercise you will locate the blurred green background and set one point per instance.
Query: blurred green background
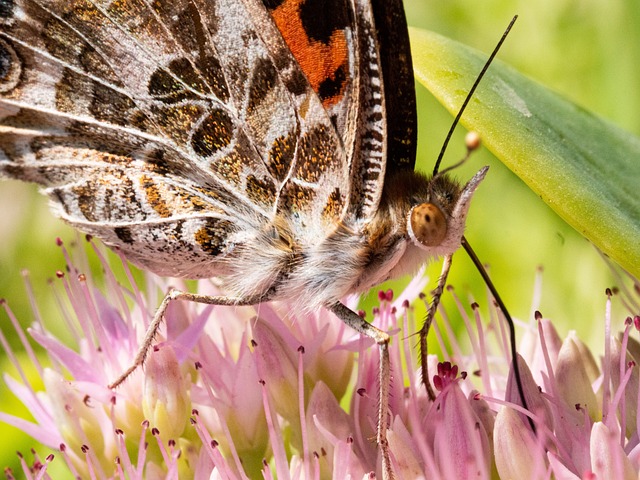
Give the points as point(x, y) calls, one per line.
point(586, 50)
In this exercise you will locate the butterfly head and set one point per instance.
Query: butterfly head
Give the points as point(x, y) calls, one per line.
point(438, 224)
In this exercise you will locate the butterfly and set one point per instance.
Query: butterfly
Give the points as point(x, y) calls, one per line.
point(268, 143)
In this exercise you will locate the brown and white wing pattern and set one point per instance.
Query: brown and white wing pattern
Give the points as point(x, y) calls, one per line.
point(357, 58)
point(174, 130)
point(387, 121)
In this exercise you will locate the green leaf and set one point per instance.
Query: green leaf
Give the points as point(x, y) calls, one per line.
point(583, 167)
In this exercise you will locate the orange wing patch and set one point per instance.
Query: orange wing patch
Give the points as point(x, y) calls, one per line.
point(323, 58)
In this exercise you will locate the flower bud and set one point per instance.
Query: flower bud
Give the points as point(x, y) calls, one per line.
point(166, 401)
point(574, 385)
point(517, 454)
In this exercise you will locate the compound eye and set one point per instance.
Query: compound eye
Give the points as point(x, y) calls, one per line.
point(428, 225)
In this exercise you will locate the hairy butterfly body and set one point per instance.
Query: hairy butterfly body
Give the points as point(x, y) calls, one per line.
point(269, 143)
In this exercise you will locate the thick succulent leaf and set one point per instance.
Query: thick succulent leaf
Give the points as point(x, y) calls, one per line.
point(583, 167)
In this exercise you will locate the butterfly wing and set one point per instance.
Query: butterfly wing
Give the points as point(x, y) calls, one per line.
point(358, 60)
point(173, 130)
point(387, 122)
point(399, 87)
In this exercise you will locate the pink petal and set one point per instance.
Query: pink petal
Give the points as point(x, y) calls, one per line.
point(608, 459)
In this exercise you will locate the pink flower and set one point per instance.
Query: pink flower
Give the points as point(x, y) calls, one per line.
point(238, 393)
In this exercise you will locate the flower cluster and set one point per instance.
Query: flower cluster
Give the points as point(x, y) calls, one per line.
point(239, 392)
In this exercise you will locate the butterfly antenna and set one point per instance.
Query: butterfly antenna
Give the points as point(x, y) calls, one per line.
point(512, 329)
point(472, 254)
point(470, 94)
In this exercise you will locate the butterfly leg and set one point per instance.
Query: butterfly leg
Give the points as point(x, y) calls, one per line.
point(158, 318)
point(431, 313)
point(359, 324)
